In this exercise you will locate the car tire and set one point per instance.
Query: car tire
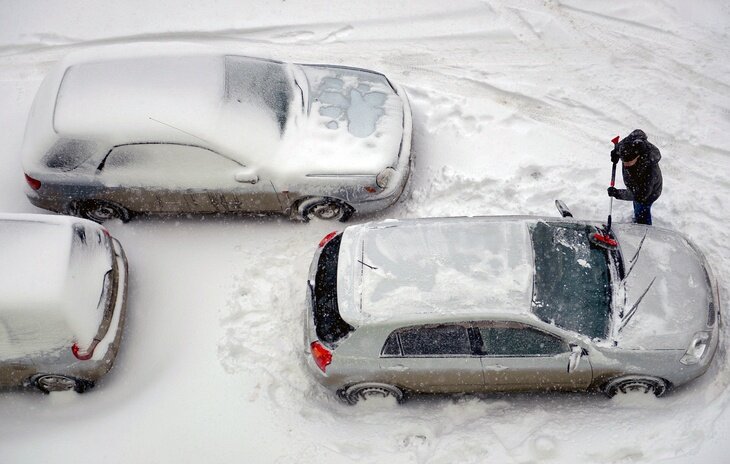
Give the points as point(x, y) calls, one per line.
point(100, 211)
point(324, 209)
point(48, 383)
point(635, 383)
point(365, 391)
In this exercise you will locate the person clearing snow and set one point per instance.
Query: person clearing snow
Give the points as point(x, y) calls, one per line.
point(641, 173)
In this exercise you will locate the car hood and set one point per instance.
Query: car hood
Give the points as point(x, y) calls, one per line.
point(677, 303)
point(352, 122)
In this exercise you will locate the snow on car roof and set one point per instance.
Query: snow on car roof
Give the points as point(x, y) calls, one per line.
point(49, 286)
point(222, 102)
point(397, 269)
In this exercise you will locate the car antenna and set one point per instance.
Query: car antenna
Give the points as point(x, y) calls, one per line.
point(177, 129)
point(604, 239)
point(633, 309)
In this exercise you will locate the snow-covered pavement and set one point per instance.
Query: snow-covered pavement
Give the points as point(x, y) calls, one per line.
point(514, 105)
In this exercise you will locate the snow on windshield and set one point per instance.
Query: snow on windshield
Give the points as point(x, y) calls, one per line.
point(259, 83)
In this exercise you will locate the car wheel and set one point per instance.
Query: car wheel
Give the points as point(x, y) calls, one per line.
point(100, 211)
point(325, 209)
point(635, 383)
point(48, 383)
point(371, 391)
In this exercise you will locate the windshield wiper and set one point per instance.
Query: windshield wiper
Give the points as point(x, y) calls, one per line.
point(635, 258)
point(633, 309)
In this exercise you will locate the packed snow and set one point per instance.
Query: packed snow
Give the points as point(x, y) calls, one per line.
point(514, 105)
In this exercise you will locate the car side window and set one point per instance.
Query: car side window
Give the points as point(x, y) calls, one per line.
point(519, 341)
point(433, 340)
point(392, 346)
point(167, 165)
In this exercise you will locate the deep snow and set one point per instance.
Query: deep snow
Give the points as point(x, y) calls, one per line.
point(513, 107)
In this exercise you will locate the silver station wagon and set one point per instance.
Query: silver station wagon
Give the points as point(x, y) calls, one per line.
point(114, 134)
point(507, 304)
point(63, 284)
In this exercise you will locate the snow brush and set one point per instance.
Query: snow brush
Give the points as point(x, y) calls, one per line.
point(604, 239)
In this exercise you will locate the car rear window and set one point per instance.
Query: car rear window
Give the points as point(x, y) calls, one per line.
point(328, 324)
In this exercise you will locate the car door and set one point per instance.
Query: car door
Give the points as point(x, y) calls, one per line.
point(432, 358)
point(165, 177)
point(517, 356)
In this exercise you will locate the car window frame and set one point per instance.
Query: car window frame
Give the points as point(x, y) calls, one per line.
point(518, 325)
point(102, 163)
point(396, 332)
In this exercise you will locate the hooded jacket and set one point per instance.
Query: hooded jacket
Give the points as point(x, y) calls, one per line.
point(643, 180)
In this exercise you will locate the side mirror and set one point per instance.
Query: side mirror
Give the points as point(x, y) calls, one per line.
point(576, 352)
point(246, 176)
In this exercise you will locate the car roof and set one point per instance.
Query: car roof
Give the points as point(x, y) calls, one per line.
point(197, 99)
point(47, 284)
point(436, 269)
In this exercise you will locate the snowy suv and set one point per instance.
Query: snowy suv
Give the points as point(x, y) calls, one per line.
point(507, 303)
point(111, 134)
point(63, 284)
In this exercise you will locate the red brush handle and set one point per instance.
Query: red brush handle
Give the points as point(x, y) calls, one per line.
point(613, 169)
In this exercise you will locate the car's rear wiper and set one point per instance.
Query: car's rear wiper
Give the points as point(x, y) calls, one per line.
point(635, 258)
point(633, 309)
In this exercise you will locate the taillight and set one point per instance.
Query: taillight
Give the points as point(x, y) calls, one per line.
point(106, 232)
point(322, 356)
point(85, 356)
point(327, 238)
point(35, 184)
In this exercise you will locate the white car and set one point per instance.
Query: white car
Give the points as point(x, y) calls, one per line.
point(63, 284)
point(114, 134)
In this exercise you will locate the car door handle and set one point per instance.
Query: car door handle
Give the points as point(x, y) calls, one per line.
point(398, 367)
point(496, 367)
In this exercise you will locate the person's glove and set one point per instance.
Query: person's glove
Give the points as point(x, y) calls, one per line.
point(612, 192)
point(614, 155)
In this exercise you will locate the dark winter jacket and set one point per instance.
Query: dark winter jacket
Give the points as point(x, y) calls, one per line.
point(644, 179)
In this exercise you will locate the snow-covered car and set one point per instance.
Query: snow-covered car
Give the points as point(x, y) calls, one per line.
point(110, 135)
point(63, 284)
point(505, 304)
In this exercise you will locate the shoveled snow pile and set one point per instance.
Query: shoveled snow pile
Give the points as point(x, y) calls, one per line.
point(514, 105)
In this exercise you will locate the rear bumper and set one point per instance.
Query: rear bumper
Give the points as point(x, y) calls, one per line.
point(106, 351)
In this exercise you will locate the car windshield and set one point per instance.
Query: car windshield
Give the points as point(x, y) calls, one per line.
point(572, 286)
point(260, 83)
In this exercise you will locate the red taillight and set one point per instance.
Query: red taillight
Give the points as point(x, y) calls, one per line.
point(88, 354)
point(322, 356)
point(35, 184)
point(327, 238)
point(371, 189)
point(106, 232)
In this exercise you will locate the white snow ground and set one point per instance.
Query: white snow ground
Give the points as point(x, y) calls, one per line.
point(513, 106)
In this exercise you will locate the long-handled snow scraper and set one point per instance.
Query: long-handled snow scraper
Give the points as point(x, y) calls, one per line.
point(604, 239)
